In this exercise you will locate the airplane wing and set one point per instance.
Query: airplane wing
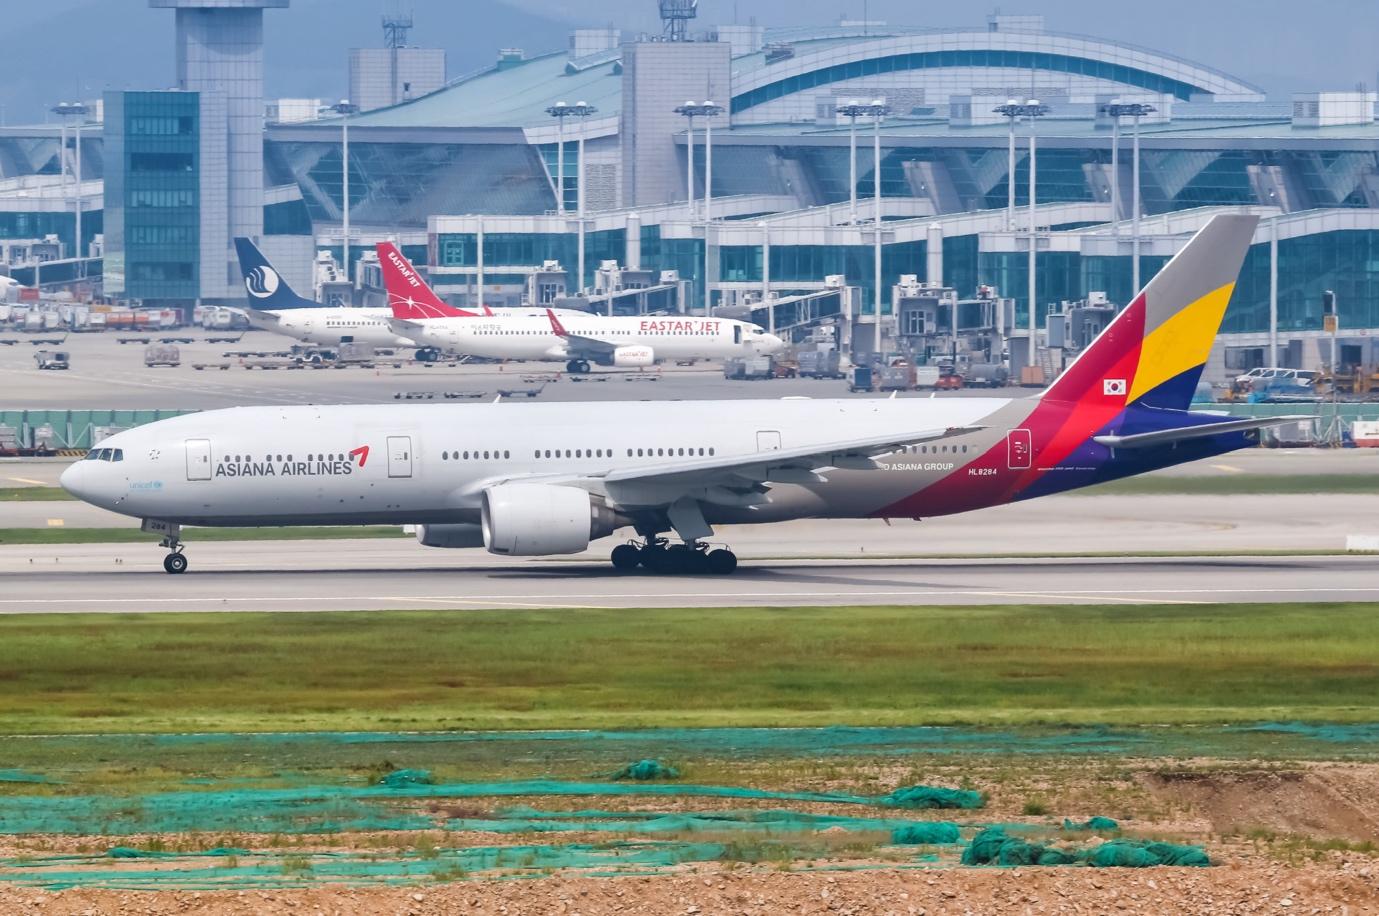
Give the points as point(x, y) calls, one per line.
point(1202, 431)
point(577, 344)
point(743, 480)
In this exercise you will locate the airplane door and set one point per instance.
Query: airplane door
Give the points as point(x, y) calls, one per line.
point(198, 459)
point(1019, 449)
point(737, 333)
point(399, 456)
point(768, 440)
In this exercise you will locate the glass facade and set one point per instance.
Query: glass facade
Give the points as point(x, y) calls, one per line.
point(152, 194)
point(37, 225)
point(530, 249)
point(401, 184)
point(550, 155)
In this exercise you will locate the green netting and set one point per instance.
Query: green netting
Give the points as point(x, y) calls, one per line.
point(398, 778)
point(646, 770)
point(1132, 854)
point(25, 777)
point(126, 852)
point(1094, 825)
point(993, 846)
point(925, 833)
point(933, 797)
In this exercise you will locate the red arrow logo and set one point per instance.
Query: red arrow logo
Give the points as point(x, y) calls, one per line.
point(362, 453)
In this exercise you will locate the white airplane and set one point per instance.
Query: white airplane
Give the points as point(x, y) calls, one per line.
point(575, 338)
point(274, 306)
point(543, 479)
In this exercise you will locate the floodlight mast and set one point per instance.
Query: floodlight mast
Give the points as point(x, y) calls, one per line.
point(344, 108)
point(1116, 111)
point(1031, 110)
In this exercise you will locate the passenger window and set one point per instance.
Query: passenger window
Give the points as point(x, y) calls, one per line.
point(639, 453)
point(548, 453)
point(506, 454)
point(710, 451)
point(466, 456)
point(445, 456)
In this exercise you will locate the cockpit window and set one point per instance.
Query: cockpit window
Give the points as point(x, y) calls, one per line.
point(105, 454)
point(117, 454)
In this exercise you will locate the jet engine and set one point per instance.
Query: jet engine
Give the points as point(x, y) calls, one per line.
point(463, 535)
point(633, 357)
point(534, 520)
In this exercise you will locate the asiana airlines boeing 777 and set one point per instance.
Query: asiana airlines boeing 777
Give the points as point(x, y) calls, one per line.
point(542, 479)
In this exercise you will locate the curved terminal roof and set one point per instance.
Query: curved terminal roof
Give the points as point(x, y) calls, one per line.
point(517, 94)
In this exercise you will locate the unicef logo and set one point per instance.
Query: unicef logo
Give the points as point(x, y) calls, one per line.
point(261, 282)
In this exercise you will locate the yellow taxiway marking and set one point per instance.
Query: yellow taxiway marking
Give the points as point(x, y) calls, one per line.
point(1228, 468)
point(56, 522)
point(37, 483)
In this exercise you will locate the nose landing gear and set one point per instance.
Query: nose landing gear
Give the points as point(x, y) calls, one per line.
point(175, 562)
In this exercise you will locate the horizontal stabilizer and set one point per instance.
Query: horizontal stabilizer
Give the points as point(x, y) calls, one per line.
point(1205, 430)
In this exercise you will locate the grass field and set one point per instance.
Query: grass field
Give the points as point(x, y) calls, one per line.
point(34, 494)
point(793, 666)
point(192, 535)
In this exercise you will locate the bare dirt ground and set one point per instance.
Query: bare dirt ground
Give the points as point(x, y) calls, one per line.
point(1283, 838)
point(1333, 886)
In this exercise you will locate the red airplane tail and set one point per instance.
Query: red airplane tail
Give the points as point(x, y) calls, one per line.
point(556, 327)
point(408, 295)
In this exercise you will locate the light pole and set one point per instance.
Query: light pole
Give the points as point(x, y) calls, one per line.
point(689, 110)
point(707, 110)
point(580, 110)
point(851, 110)
point(1116, 111)
point(1011, 109)
point(344, 108)
point(559, 111)
point(1032, 110)
point(75, 111)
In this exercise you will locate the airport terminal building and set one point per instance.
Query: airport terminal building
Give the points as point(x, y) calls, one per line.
point(490, 179)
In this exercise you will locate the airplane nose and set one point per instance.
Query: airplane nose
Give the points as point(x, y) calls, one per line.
point(75, 480)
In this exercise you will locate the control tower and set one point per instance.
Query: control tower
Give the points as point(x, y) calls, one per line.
point(220, 50)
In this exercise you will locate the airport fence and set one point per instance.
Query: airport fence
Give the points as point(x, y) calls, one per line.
point(69, 430)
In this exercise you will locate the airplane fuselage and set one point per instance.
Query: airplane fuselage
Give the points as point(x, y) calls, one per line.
point(404, 464)
point(532, 337)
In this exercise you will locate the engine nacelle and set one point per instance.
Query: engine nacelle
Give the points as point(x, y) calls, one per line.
point(452, 536)
point(633, 357)
point(536, 520)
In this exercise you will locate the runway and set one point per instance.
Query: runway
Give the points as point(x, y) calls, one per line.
point(382, 575)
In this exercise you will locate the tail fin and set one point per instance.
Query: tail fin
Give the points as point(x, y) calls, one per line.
point(266, 287)
point(1153, 352)
point(557, 328)
point(408, 295)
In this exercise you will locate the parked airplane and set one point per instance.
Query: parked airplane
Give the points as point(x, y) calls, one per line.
point(274, 306)
point(575, 338)
point(540, 479)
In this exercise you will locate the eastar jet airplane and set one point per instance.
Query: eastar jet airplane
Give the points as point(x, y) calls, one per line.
point(273, 306)
point(575, 338)
point(540, 479)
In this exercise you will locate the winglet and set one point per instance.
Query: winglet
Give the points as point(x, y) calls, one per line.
point(408, 295)
point(556, 327)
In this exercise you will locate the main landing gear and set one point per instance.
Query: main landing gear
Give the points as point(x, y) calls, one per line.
point(176, 561)
point(658, 555)
point(577, 367)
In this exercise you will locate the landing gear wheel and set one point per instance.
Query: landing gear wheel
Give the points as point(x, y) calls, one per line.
point(580, 366)
point(572, 366)
point(654, 558)
point(721, 562)
point(626, 557)
point(175, 563)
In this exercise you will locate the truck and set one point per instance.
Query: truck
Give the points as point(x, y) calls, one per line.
point(895, 378)
point(162, 355)
point(820, 364)
point(757, 367)
point(52, 359)
point(986, 375)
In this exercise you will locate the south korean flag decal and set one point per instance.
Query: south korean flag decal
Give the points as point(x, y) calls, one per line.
point(1113, 387)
